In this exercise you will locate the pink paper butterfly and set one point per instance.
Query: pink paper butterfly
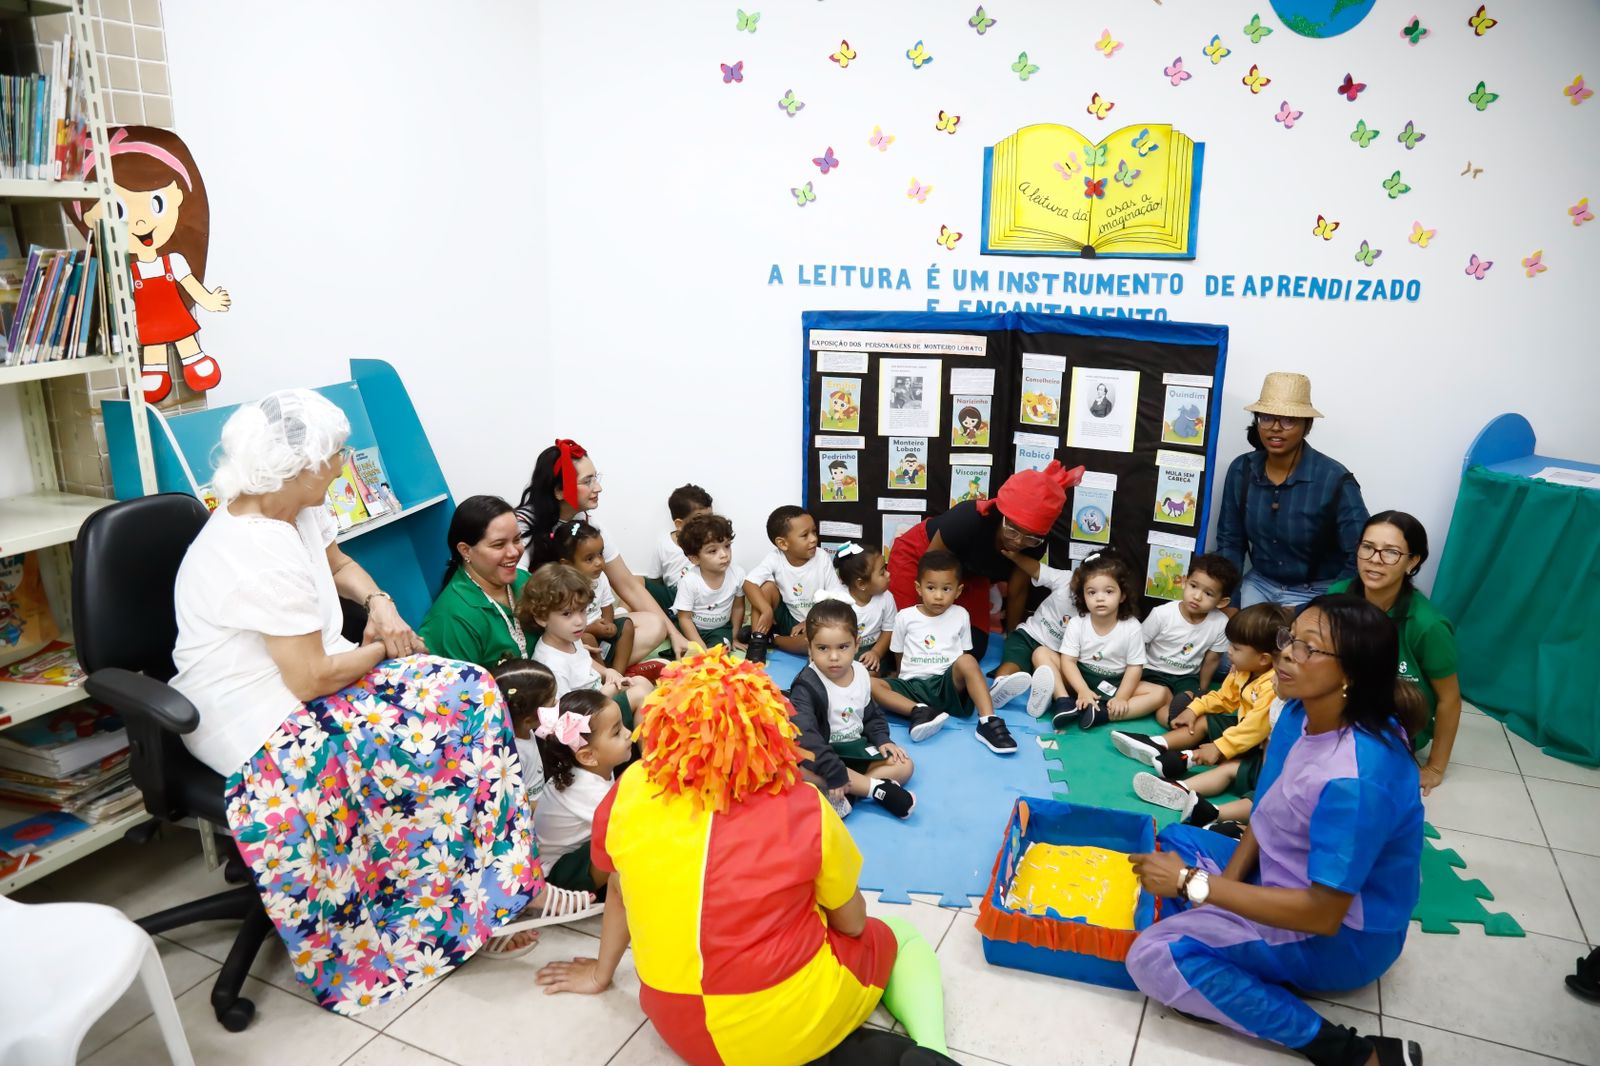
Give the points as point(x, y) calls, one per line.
point(1534, 264)
point(733, 73)
point(1065, 169)
point(1176, 72)
point(1478, 267)
point(918, 191)
point(1286, 116)
point(826, 160)
point(1580, 212)
point(880, 140)
point(1576, 93)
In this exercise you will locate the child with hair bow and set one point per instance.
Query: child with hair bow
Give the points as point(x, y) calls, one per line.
point(582, 741)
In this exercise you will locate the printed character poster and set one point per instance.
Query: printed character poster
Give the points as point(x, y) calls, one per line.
point(970, 421)
point(968, 483)
point(1091, 512)
point(1183, 417)
point(908, 462)
point(1177, 493)
point(1103, 409)
point(1041, 397)
point(1169, 562)
point(839, 482)
point(1033, 456)
point(841, 404)
point(894, 525)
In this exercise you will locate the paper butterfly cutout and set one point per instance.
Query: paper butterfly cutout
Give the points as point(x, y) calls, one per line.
point(1095, 156)
point(1125, 175)
point(1286, 116)
point(1410, 137)
point(1475, 170)
point(1419, 236)
point(826, 160)
point(1099, 106)
point(844, 55)
point(1396, 188)
point(948, 122)
point(748, 22)
point(1143, 144)
point(1481, 99)
point(1351, 89)
point(1367, 255)
point(1481, 23)
point(804, 195)
point(1024, 69)
point(919, 58)
point(1413, 32)
point(918, 191)
point(880, 140)
point(1361, 135)
point(1324, 228)
point(1255, 31)
point(1216, 51)
point(981, 22)
point(1576, 93)
point(1093, 188)
point(1255, 80)
point(1106, 44)
point(947, 237)
point(790, 105)
point(1478, 267)
point(1065, 169)
point(1580, 212)
point(1534, 264)
point(1176, 72)
point(733, 73)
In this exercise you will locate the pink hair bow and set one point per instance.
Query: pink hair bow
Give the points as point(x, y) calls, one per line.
point(568, 728)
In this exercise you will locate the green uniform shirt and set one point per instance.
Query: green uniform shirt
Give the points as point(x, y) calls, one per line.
point(463, 624)
point(1427, 647)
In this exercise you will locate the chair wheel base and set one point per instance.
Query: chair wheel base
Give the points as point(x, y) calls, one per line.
point(236, 1016)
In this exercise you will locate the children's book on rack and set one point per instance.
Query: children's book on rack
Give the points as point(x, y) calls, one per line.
point(57, 664)
point(40, 831)
point(361, 492)
point(44, 118)
point(27, 625)
point(46, 304)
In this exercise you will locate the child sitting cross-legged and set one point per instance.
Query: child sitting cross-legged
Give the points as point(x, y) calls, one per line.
point(841, 728)
point(582, 741)
point(781, 590)
point(864, 573)
point(710, 602)
point(1184, 639)
point(1030, 661)
point(1102, 650)
point(938, 675)
point(556, 599)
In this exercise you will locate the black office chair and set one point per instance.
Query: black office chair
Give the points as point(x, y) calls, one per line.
point(124, 566)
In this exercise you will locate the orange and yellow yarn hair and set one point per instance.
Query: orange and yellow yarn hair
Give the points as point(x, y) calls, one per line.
point(717, 731)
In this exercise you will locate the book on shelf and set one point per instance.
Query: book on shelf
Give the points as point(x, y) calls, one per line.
point(67, 742)
point(49, 317)
point(344, 498)
point(373, 482)
point(94, 794)
point(56, 664)
point(40, 831)
point(44, 118)
point(26, 622)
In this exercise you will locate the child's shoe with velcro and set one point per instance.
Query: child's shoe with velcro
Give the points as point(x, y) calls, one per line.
point(925, 722)
point(894, 797)
point(1064, 711)
point(993, 734)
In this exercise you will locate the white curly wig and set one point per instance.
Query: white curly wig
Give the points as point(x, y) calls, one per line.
point(267, 443)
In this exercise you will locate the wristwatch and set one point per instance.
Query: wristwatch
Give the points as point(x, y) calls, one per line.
point(1198, 887)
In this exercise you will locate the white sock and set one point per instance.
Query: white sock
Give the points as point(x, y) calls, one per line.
point(1161, 741)
point(985, 717)
point(1190, 801)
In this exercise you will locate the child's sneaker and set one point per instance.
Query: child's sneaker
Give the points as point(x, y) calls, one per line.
point(1008, 688)
point(1066, 712)
point(756, 645)
point(1093, 716)
point(1175, 796)
point(925, 722)
point(1040, 691)
point(841, 806)
point(650, 670)
point(894, 797)
point(1228, 827)
point(1393, 1051)
point(1140, 748)
point(993, 734)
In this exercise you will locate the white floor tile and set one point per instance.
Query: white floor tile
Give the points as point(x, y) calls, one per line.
point(1524, 879)
point(1481, 742)
point(998, 1012)
point(1457, 1050)
point(285, 1029)
point(932, 899)
point(1582, 876)
point(1535, 763)
point(1485, 802)
point(646, 1048)
point(1166, 1039)
point(484, 1012)
point(386, 1051)
point(1364, 998)
point(1503, 989)
point(185, 969)
point(1467, 708)
point(1568, 813)
point(933, 922)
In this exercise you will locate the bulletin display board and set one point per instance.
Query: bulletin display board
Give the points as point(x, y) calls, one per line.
point(907, 413)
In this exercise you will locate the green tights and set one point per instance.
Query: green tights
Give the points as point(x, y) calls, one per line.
point(914, 994)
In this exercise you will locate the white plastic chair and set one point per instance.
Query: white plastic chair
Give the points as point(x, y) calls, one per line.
point(65, 965)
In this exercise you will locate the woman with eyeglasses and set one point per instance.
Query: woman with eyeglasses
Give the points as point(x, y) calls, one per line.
point(1294, 511)
point(986, 536)
point(1318, 893)
point(1393, 548)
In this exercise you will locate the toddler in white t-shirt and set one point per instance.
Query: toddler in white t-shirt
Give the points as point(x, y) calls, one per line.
point(864, 575)
point(1102, 650)
point(668, 562)
point(556, 600)
point(583, 547)
point(1030, 661)
point(709, 606)
point(1184, 640)
point(781, 590)
point(582, 740)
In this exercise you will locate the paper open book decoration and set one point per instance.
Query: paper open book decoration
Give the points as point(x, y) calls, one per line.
point(1049, 190)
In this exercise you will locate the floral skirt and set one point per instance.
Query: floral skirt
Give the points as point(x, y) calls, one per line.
point(387, 829)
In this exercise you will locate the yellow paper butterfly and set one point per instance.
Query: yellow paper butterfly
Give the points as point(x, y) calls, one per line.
point(918, 56)
point(1106, 45)
point(844, 55)
point(1481, 23)
point(947, 237)
point(918, 191)
point(1419, 236)
point(1324, 228)
point(1217, 51)
point(1255, 79)
point(1099, 106)
point(948, 122)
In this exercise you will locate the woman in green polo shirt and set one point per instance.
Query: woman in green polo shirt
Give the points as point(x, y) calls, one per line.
point(474, 617)
point(1393, 548)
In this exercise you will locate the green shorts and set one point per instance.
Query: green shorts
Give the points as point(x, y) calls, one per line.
point(1249, 773)
point(1098, 679)
point(1018, 650)
point(1218, 724)
point(662, 593)
point(720, 635)
point(859, 755)
point(621, 700)
point(611, 649)
point(1175, 683)
point(939, 692)
point(573, 870)
point(783, 622)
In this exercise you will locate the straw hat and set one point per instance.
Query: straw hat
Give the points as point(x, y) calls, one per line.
point(1288, 395)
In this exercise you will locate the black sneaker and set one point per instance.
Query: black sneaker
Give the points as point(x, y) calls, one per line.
point(1203, 813)
point(1064, 711)
point(1093, 716)
point(993, 734)
point(1173, 765)
point(756, 645)
point(895, 798)
point(1228, 827)
point(1139, 748)
point(925, 722)
point(1392, 1051)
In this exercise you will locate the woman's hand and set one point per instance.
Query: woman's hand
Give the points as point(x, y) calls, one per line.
point(581, 975)
point(1432, 777)
point(385, 624)
point(1158, 872)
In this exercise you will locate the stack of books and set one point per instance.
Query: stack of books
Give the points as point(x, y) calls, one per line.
point(44, 119)
point(46, 304)
point(361, 492)
point(74, 761)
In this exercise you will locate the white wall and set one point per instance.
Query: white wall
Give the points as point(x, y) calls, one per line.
point(560, 223)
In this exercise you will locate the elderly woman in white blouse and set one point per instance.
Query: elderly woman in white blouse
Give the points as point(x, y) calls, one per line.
point(373, 790)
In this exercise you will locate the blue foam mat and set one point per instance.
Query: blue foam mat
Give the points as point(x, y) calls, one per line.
point(964, 796)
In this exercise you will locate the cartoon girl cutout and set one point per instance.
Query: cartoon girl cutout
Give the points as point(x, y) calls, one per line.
point(159, 194)
point(971, 429)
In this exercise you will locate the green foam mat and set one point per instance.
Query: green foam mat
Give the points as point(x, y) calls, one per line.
point(1447, 900)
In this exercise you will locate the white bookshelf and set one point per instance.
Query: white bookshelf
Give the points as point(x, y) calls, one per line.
point(59, 368)
point(74, 847)
point(393, 516)
point(37, 520)
point(22, 703)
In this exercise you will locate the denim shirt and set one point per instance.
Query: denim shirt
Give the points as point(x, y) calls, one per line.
point(1302, 531)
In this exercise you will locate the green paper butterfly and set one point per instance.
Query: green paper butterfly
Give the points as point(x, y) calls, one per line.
point(748, 22)
point(1395, 186)
point(1367, 254)
point(1410, 137)
point(1095, 157)
point(981, 22)
point(1480, 99)
point(1363, 136)
point(1023, 68)
point(1414, 32)
point(804, 195)
point(1125, 175)
point(1255, 31)
point(791, 105)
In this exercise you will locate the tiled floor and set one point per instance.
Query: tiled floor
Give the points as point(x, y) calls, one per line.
point(1527, 825)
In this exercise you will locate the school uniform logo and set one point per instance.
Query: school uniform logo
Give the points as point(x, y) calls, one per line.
point(930, 642)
